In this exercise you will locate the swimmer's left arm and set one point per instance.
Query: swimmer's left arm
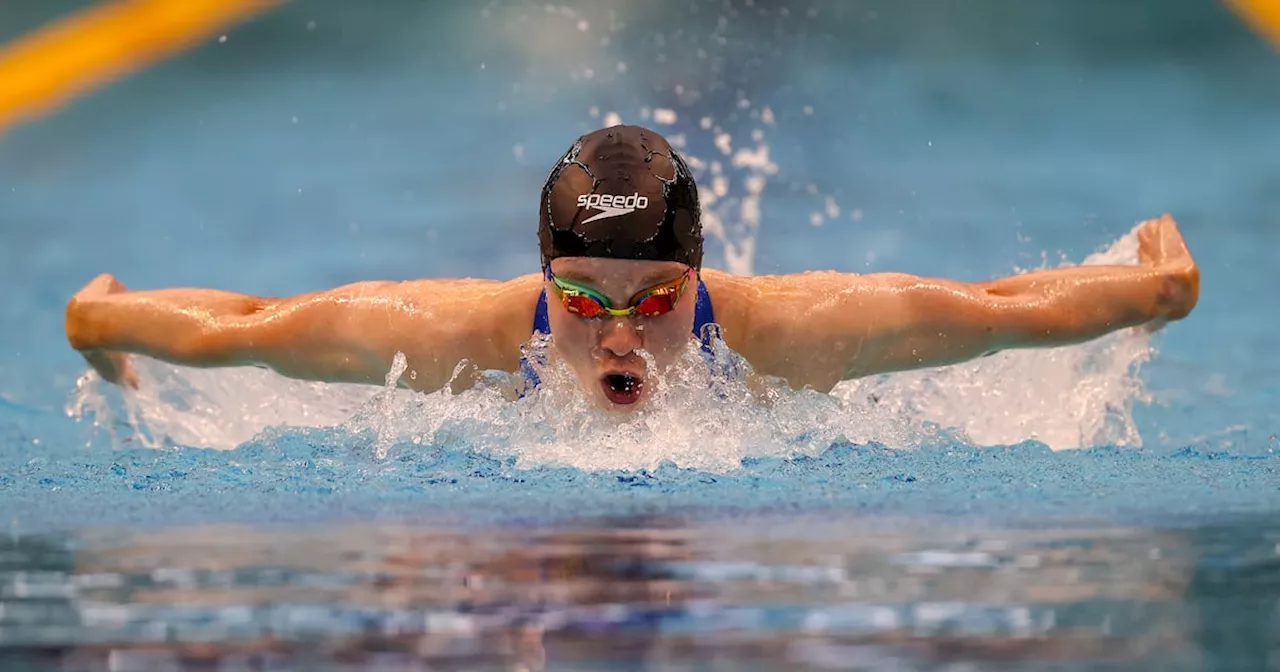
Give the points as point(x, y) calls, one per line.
point(819, 328)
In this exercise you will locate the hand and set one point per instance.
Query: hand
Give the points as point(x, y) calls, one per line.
point(1161, 246)
point(114, 367)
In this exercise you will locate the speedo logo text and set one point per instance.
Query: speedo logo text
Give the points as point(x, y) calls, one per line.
point(612, 205)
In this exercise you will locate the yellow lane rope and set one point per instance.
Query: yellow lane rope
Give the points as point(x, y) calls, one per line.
point(1263, 15)
point(69, 57)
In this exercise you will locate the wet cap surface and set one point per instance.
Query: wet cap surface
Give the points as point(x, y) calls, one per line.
point(622, 193)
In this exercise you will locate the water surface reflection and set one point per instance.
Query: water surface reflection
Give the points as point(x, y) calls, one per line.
point(651, 593)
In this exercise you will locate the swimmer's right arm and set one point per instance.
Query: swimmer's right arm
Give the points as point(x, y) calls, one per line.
point(347, 334)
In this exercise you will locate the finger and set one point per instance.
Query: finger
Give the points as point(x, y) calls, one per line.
point(1174, 242)
point(103, 284)
point(113, 367)
point(130, 377)
point(1145, 244)
point(99, 283)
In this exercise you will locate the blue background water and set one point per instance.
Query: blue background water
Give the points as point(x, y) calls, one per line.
point(324, 144)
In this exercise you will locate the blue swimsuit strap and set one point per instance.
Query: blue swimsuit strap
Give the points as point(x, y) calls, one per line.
point(703, 314)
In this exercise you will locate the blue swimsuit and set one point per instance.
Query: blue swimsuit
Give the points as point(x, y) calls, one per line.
point(703, 314)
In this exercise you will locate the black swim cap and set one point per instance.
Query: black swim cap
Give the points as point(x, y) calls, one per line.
point(621, 193)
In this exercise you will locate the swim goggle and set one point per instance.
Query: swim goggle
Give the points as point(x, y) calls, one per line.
point(583, 301)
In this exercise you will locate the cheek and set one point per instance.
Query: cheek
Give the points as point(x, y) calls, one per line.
point(571, 336)
point(670, 333)
point(667, 336)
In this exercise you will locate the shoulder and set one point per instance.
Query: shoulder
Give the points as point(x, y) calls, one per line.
point(521, 289)
point(758, 286)
point(500, 304)
point(750, 307)
point(737, 293)
point(764, 292)
point(517, 295)
point(756, 311)
point(498, 312)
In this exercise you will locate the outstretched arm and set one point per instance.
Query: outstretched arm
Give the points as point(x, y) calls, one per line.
point(817, 329)
point(348, 334)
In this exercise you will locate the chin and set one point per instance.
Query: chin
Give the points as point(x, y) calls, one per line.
point(619, 410)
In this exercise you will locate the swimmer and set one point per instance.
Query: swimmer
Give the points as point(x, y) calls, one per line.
point(620, 233)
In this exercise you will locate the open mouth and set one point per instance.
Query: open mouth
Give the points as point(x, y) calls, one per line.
point(622, 388)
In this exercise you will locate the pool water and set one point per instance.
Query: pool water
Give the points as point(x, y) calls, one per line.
point(1109, 505)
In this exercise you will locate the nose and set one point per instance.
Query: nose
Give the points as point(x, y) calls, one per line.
point(621, 337)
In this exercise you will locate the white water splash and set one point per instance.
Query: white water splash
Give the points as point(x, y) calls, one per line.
point(732, 186)
point(1067, 397)
point(697, 417)
point(210, 408)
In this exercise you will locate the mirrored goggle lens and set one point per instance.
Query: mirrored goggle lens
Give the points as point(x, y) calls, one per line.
point(583, 305)
point(656, 304)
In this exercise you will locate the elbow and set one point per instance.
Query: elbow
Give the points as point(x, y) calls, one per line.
point(971, 321)
point(1009, 318)
point(1036, 329)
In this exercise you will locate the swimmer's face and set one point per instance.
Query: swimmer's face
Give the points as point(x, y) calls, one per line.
point(605, 353)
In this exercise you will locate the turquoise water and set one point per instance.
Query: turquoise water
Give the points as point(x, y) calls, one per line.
point(1106, 506)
